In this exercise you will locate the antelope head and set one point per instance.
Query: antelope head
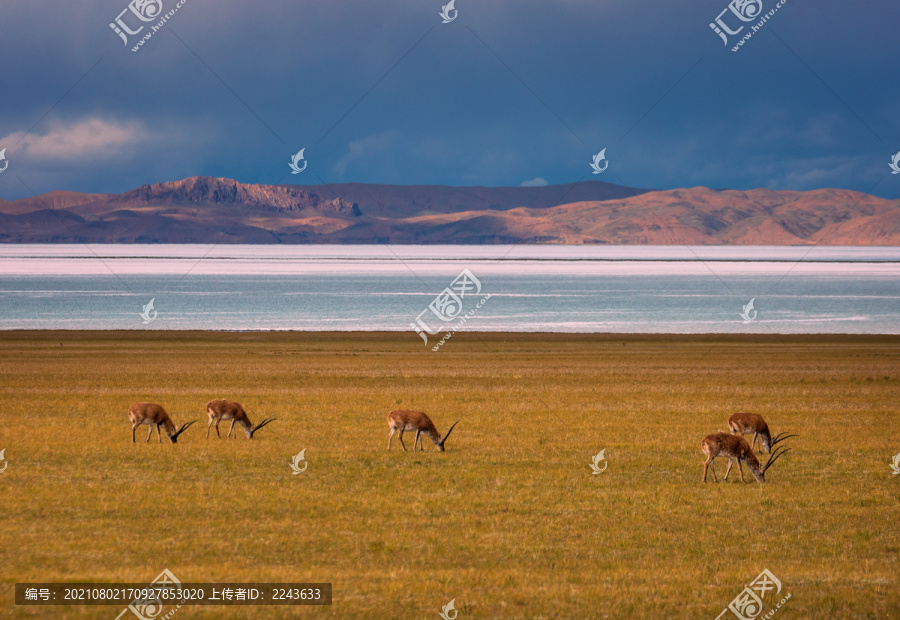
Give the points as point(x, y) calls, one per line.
point(760, 472)
point(173, 437)
point(249, 431)
point(440, 445)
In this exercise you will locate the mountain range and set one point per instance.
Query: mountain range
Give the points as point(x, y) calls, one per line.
point(216, 210)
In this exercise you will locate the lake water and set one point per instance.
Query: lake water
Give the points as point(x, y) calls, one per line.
point(649, 289)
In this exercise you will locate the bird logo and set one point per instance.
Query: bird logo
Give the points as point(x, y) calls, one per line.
point(747, 310)
point(3, 460)
point(296, 159)
point(300, 458)
point(601, 156)
point(895, 162)
point(446, 609)
point(446, 11)
point(595, 464)
point(3, 159)
point(149, 314)
point(895, 465)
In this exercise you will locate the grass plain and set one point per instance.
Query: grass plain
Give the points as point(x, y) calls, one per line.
point(509, 521)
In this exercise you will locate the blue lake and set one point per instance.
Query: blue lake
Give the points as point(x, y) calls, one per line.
point(648, 289)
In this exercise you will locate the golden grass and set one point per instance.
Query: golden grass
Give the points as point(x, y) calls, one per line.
point(509, 521)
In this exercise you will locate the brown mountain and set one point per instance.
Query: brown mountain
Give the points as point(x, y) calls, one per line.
point(209, 210)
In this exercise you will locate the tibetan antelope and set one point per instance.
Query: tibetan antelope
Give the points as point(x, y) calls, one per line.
point(154, 415)
point(219, 410)
point(736, 449)
point(419, 422)
point(746, 423)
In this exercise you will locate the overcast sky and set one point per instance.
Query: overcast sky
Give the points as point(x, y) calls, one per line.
point(509, 92)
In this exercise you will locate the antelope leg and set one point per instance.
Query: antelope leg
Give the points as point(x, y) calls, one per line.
point(712, 468)
point(708, 465)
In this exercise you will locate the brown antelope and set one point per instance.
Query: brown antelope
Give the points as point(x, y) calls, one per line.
point(154, 415)
point(736, 449)
point(219, 410)
point(419, 422)
point(746, 423)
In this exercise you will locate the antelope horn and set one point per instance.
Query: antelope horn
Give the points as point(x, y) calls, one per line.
point(261, 424)
point(183, 427)
point(448, 432)
point(774, 457)
point(780, 437)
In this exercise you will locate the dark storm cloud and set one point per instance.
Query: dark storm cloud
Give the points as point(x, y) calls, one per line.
point(509, 92)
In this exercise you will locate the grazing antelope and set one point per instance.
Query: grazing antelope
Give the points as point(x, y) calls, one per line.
point(746, 423)
point(154, 415)
point(419, 422)
point(736, 449)
point(219, 410)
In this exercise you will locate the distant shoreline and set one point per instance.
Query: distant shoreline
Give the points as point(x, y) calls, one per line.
point(416, 344)
point(487, 259)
